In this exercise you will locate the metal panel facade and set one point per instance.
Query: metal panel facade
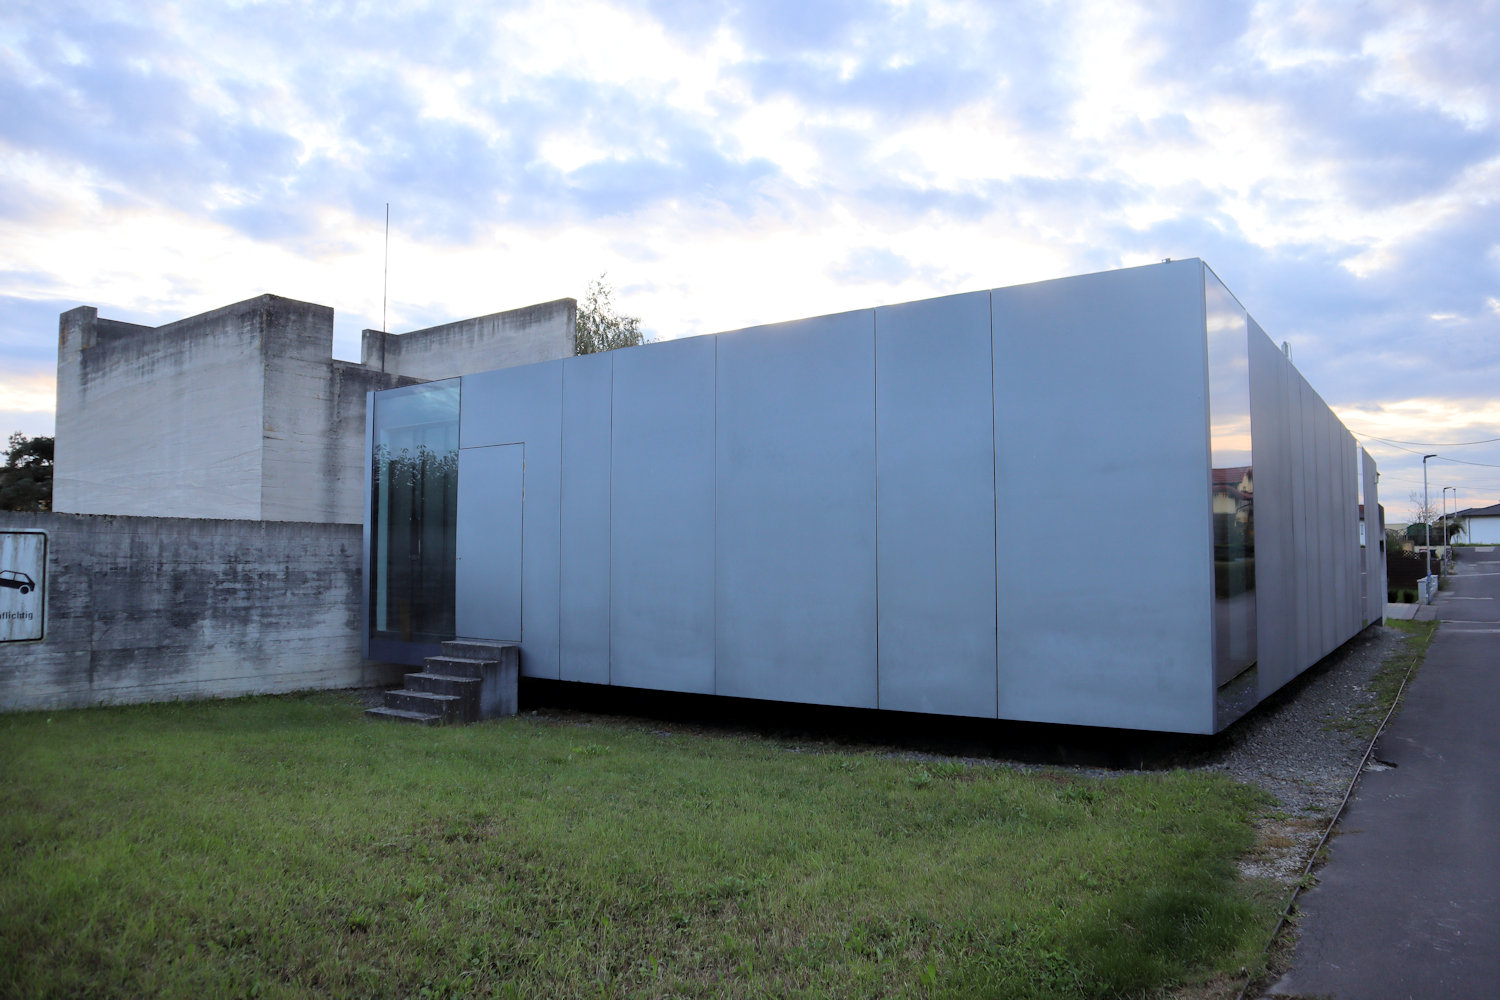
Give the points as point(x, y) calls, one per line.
point(1276, 530)
point(795, 535)
point(662, 517)
point(1374, 543)
point(935, 471)
point(995, 504)
point(1101, 422)
point(525, 405)
point(490, 546)
point(583, 649)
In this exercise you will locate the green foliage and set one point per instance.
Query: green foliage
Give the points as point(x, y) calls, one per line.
point(1417, 532)
point(600, 327)
point(286, 847)
point(26, 477)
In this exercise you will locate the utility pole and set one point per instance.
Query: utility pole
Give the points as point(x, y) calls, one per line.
point(1427, 517)
point(1445, 518)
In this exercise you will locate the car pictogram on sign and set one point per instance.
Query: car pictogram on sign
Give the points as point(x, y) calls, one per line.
point(20, 581)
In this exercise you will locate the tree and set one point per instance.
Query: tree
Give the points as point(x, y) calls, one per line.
point(600, 327)
point(1424, 514)
point(26, 477)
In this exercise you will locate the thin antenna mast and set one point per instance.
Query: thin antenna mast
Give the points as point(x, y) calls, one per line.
point(385, 277)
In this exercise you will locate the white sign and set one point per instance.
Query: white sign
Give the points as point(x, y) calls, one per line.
point(23, 570)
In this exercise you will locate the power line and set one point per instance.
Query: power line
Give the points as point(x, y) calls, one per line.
point(1483, 465)
point(1441, 458)
point(1429, 444)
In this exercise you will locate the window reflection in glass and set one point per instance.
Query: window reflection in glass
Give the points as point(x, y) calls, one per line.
point(414, 512)
point(1232, 479)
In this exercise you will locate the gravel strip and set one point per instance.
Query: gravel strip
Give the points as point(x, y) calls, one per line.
point(1301, 747)
point(1293, 745)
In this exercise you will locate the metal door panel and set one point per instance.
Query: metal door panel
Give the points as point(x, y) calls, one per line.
point(490, 516)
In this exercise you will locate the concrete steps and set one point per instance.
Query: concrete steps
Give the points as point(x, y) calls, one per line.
point(468, 682)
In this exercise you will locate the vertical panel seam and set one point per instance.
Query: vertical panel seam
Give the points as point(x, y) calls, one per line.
point(609, 602)
point(562, 435)
point(995, 492)
point(521, 590)
point(714, 537)
point(875, 440)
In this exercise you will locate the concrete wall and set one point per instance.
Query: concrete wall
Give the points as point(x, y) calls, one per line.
point(242, 412)
point(152, 609)
point(164, 420)
point(543, 332)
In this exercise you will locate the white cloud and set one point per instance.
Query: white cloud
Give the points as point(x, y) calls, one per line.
point(736, 166)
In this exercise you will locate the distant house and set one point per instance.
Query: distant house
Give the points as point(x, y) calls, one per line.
point(1481, 524)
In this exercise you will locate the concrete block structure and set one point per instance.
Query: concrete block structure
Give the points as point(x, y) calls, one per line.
point(1105, 500)
point(144, 609)
point(242, 412)
point(205, 537)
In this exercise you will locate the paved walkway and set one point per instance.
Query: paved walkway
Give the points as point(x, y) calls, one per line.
point(1408, 905)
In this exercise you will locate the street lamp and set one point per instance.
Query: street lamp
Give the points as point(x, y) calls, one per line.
point(1445, 517)
point(1427, 516)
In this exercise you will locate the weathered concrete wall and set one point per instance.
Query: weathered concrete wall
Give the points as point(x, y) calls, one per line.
point(243, 413)
point(543, 332)
point(161, 420)
point(154, 609)
point(343, 447)
point(313, 417)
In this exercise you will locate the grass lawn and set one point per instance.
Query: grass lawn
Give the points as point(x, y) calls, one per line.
point(287, 847)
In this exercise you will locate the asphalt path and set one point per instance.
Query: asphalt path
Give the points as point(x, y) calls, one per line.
point(1408, 905)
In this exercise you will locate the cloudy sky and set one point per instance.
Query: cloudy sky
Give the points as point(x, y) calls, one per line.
point(1338, 164)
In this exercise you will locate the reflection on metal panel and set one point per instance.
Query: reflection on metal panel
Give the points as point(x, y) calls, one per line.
point(1232, 479)
point(936, 469)
point(795, 587)
point(1100, 416)
point(490, 517)
point(583, 650)
point(662, 556)
point(525, 405)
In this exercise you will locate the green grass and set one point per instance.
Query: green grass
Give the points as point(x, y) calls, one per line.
point(1387, 679)
point(287, 847)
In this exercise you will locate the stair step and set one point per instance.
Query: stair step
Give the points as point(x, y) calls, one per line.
point(435, 683)
point(455, 666)
point(474, 649)
point(450, 707)
point(401, 715)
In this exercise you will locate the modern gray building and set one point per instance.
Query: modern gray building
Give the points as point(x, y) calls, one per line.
point(1105, 500)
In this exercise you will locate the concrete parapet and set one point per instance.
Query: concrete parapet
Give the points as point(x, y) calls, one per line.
point(542, 332)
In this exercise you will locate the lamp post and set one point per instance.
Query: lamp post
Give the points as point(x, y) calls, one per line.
point(1427, 517)
point(1445, 517)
